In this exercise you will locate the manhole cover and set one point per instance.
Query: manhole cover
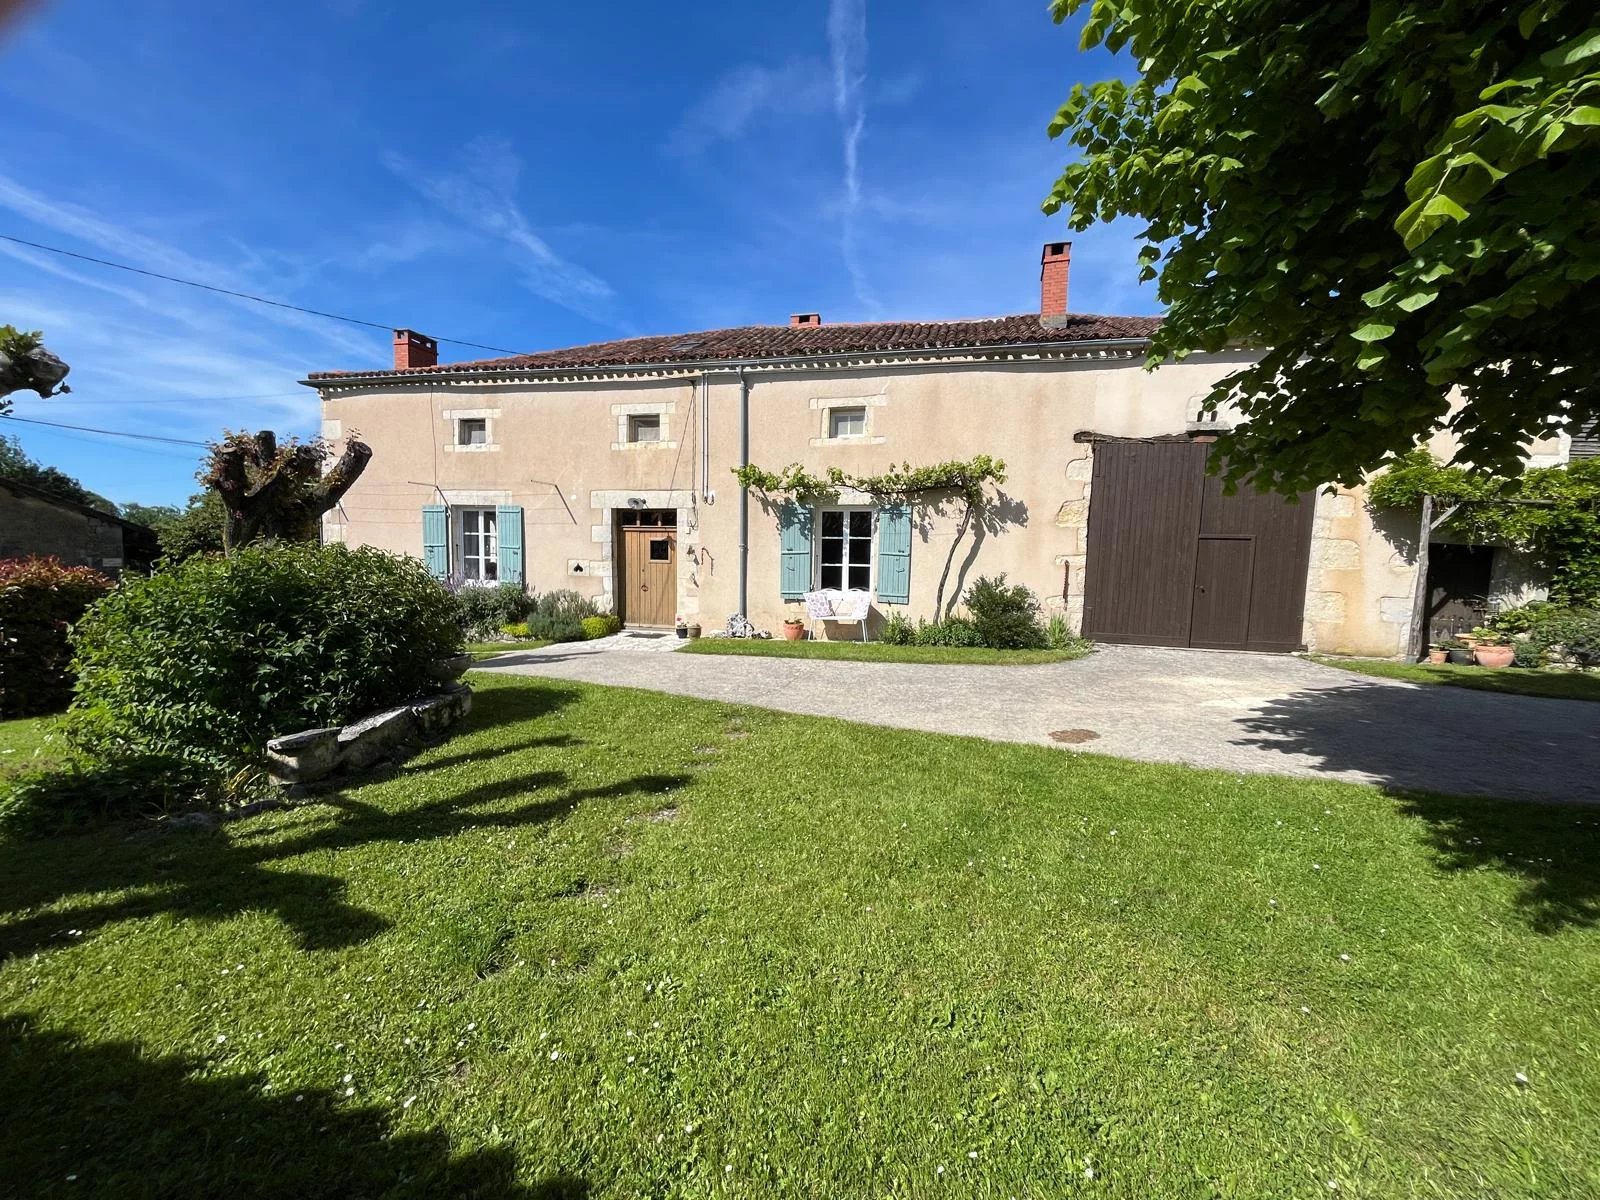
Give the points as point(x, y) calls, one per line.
point(1073, 736)
point(651, 636)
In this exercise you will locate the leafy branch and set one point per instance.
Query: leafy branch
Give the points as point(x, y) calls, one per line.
point(1550, 513)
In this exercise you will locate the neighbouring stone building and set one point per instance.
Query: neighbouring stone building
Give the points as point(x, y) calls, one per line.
point(37, 522)
point(608, 469)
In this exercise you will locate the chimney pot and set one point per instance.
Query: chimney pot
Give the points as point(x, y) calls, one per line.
point(1054, 265)
point(413, 349)
point(805, 318)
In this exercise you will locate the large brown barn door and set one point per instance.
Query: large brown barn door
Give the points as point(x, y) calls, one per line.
point(1175, 562)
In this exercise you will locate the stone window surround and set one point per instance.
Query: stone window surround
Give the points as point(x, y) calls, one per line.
point(822, 406)
point(487, 415)
point(604, 536)
point(645, 408)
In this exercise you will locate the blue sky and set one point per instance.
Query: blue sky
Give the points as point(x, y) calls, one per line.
point(520, 175)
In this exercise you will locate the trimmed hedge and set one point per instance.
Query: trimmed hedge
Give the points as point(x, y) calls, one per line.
point(208, 658)
point(40, 599)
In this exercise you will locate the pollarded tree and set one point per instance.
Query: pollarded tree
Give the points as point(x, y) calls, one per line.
point(25, 365)
point(279, 492)
point(1387, 199)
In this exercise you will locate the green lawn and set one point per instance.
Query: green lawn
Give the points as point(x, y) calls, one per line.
point(1558, 685)
point(28, 743)
point(878, 652)
point(609, 943)
point(482, 650)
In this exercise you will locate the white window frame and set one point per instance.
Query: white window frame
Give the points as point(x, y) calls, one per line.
point(844, 568)
point(487, 520)
point(852, 410)
point(453, 418)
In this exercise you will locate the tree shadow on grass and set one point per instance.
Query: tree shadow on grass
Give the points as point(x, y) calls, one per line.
point(1457, 760)
point(207, 872)
point(1552, 850)
point(107, 1119)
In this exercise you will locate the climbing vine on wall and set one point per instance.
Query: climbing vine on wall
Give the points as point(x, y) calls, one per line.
point(1550, 513)
point(966, 480)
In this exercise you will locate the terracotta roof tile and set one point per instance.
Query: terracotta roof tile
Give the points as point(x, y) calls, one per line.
point(791, 341)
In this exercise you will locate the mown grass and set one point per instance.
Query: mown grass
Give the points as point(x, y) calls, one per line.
point(482, 650)
point(29, 743)
point(1518, 681)
point(612, 943)
point(878, 652)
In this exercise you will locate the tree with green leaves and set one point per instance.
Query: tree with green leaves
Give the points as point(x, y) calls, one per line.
point(16, 464)
point(1389, 201)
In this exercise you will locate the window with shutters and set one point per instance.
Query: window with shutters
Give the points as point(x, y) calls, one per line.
point(844, 549)
point(477, 546)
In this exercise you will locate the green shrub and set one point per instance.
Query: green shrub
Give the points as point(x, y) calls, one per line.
point(954, 632)
point(1522, 619)
point(1007, 618)
point(1573, 634)
point(898, 630)
point(556, 629)
point(1527, 654)
point(482, 611)
point(601, 626)
point(566, 606)
point(208, 658)
point(518, 629)
point(40, 599)
point(50, 801)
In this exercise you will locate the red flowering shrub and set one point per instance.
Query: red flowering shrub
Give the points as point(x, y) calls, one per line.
point(40, 599)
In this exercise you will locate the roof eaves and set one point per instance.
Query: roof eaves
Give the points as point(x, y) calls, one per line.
point(1042, 348)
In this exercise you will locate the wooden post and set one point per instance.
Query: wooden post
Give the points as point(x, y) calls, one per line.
point(1417, 642)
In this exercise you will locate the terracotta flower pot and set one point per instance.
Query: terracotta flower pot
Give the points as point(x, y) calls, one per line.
point(1494, 657)
point(1438, 656)
point(694, 630)
point(794, 630)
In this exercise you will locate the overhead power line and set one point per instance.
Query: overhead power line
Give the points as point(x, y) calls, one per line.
point(222, 291)
point(143, 437)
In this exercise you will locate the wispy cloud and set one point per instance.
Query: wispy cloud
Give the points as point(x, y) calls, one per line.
point(743, 96)
point(482, 194)
point(847, 46)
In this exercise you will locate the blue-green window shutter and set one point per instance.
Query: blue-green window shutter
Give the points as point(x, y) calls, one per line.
point(436, 539)
point(894, 554)
point(794, 526)
point(508, 528)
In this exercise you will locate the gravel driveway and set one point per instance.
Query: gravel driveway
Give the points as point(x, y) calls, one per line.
point(1238, 712)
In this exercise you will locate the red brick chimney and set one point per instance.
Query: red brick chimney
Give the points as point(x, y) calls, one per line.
point(1053, 267)
point(412, 349)
point(805, 318)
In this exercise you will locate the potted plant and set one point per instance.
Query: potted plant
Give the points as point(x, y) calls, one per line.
point(682, 626)
point(1458, 652)
point(1438, 652)
point(1491, 649)
point(693, 630)
point(793, 629)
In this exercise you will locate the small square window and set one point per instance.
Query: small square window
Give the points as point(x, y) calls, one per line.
point(847, 422)
point(472, 431)
point(645, 428)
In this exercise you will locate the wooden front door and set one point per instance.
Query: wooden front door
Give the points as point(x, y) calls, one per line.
point(648, 568)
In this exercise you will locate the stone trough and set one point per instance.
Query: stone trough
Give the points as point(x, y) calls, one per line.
point(315, 754)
